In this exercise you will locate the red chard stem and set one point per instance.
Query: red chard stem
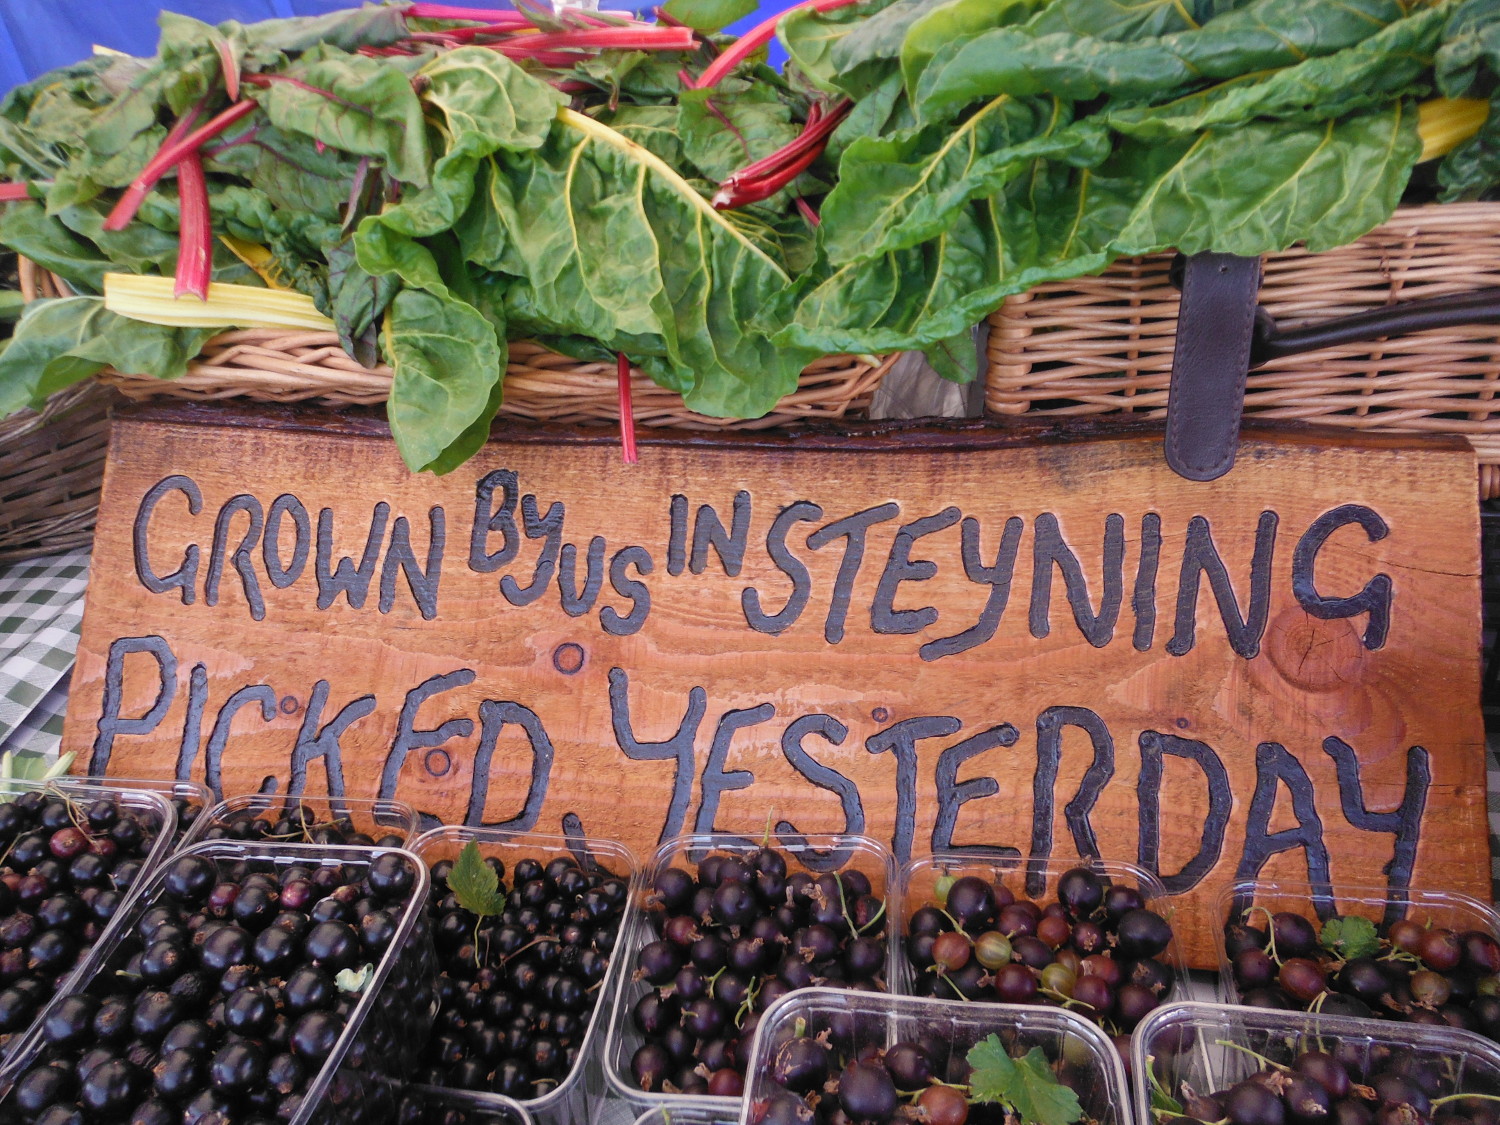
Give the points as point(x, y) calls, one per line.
point(756, 38)
point(627, 411)
point(195, 247)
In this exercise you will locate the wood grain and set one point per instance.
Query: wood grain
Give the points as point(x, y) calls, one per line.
point(985, 715)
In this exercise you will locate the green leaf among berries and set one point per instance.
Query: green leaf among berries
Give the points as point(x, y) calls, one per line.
point(475, 883)
point(1349, 936)
point(1026, 1085)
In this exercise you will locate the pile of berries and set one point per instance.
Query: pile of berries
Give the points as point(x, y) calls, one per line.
point(297, 824)
point(1347, 966)
point(518, 987)
point(1097, 949)
point(1348, 1084)
point(227, 995)
point(731, 938)
point(67, 865)
point(830, 1079)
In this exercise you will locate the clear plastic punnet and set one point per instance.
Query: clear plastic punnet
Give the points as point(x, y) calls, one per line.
point(814, 854)
point(688, 1111)
point(1253, 900)
point(920, 880)
point(1183, 1052)
point(251, 817)
point(429, 1105)
point(358, 1081)
point(157, 819)
point(578, 1094)
point(1080, 1054)
point(189, 800)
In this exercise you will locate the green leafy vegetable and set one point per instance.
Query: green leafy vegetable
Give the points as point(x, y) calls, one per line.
point(475, 883)
point(1026, 1085)
point(1349, 936)
point(708, 15)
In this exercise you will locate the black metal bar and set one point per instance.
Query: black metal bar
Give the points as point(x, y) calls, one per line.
point(1481, 306)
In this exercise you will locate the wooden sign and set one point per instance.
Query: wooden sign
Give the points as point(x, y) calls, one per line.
point(964, 638)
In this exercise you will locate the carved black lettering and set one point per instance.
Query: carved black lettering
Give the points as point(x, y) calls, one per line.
point(1374, 598)
point(1200, 557)
point(852, 529)
point(493, 716)
point(572, 829)
point(640, 597)
point(901, 740)
point(400, 559)
point(1049, 549)
point(219, 737)
point(270, 549)
point(1049, 728)
point(1148, 797)
point(548, 528)
point(490, 517)
point(347, 579)
point(996, 577)
point(954, 794)
point(801, 511)
point(1273, 766)
point(185, 577)
point(575, 604)
point(824, 777)
point(678, 747)
point(900, 567)
point(236, 504)
point(410, 739)
point(1404, 822)
point(677, 532)
point(716, 780)
point(192, 723)
point(314, 742)
point(1143, 600)
point(111, 723)
point(729, 545)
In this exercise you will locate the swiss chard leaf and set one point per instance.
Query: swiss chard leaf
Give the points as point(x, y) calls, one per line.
point(446, 361)
point(64, 341)
point(954, 20)
point(1029, 60)
point(1275, 183)
point(735, 123)
point(895, 193)
point(355, 104)
point(605, 241)
point(1026, 1085)
point(708, 15)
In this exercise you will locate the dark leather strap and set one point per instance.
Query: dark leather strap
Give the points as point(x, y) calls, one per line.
point(1212, 356)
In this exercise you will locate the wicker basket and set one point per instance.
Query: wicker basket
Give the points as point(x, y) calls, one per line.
point(273, 365)
point(1102, 344)
point(52, 460)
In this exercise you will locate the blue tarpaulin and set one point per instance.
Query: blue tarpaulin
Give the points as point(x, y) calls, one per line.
point(37, 35)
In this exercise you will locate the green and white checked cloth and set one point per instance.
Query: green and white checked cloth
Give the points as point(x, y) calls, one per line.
point(41, 606)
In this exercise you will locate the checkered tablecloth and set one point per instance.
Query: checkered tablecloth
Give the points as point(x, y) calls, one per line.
point(41, 605)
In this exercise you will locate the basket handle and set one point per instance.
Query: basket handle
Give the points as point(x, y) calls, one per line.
point(1222, 333)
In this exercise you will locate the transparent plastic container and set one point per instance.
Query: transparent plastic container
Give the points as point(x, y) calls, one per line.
point(573, 1100)
point(1190, 1044)
point(358, 1080)
point(860, 1020)
point(378, 818)
point(1447, 909)
point(919, 877)
point(689, 1111)
point(428, 1105)
point(865, 855)
point(189, 800)
point(151, 809)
